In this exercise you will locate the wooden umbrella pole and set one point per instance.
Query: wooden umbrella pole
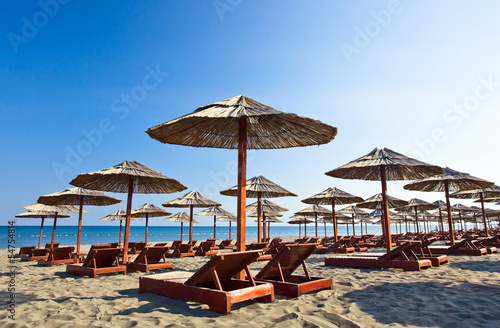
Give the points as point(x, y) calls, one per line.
point(41, 232)
point(448, 209)
point(264, 225)
point(334, 221)
point(242, 188)
point(259, 218)
point(191, 225)
point(385, 209)
point(215, 229)
point(229, 228)
point(484, 214)
point(316, 222)
point(127, 221)
point(53, 231)
point(120, 240)
point(147, 223)
point(416, 219)
point(305, 229)
point(182, 227)
point(300, 232)
point(324, 226)
point(353, 227)
point(79, 238)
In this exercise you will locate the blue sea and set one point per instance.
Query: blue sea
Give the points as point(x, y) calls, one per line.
point(67, 235)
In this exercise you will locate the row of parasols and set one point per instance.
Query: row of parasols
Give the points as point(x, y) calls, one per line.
point(242, 123)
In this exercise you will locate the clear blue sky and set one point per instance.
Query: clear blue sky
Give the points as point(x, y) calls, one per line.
point(419, 77)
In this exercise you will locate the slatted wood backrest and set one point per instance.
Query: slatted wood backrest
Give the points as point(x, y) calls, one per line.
point(101, 258)
point(204, 247)
point(151, 254)
point(406, 251)
point(225, 243)
point(464, 243)
point(61, 253)
point(223, 267)
point(288, 259)
point(175, 243)
point(54, 245)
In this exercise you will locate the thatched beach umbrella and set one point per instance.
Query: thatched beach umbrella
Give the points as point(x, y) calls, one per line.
point(314, 211)
point(333, 196)
point(121, 216)
point(259, 187)
point(183, 217)
point(148, 211)
point(128, 177)
point(215, 211)
point(354, 211)
point(228, 218)
point(242, 123)
point(300, 219)
point(376, 202)
point(481, 195)
point(450, 180)
point(191, 200)
point(78, 197)
point(441, 206)
point(56, 209)
point(42, 215)
point(382, 165)
point(267, 218)
point(264, 205)
point(416, 205)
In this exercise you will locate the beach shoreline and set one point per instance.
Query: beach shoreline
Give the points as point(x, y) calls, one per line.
point(463, 293)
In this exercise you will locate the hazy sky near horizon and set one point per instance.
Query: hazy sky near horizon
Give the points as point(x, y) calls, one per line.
point(82, 81)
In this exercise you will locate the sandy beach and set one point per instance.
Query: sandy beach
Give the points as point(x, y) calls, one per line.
point(463, 293)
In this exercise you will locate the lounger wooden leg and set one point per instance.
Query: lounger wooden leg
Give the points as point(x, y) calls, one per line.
point(306, 272)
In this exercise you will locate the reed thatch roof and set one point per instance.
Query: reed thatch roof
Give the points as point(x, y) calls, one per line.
point(272, 219)
point(41, 215)
point(300, 220)
point(266, 205)
point(216, 126)
point(374, 202)
point(267, 214)
point(419, 204)
point(119, 215)
point(461, 208)
point(486, 193)
point(227, 218)
point(378, 213)
point(260, 186)
point(78, 196)
point(180, 217)
point(325, 197)
point(116, 179)
point(149, 210)
point(457, 181)
point(314, 210)
point(440, 204)
point(397, 167)
point(191, 199)
point(53, 208)
point(352, 210)
point(214, 211)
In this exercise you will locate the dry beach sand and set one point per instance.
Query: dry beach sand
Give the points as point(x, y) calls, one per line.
point(463, 293)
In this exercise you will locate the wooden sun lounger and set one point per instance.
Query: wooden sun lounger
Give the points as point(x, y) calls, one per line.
point(396, 259)
point(36, 254)
point(213, 284)
point(205, 249)
point(98, 261)
point(54, 245)
point(256, 246)
point(58, 255)
point(25, 251)
point(226, 244)
point(182, 250)
point(151, 258)
point(269, 253)
point(464, 247)
point(279, 271)
point(337, 247)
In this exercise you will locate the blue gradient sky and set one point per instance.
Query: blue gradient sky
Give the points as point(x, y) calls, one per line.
point(421, 78)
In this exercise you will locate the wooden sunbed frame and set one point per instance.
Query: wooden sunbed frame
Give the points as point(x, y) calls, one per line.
point(98, 261)
point(150, 258)
point(58, 255)
point(213, 284)
point(25, 251)
point(226, 244)
point(279, 271)
point(395, 259)
point(464, 247)
point(36, 254)
point(182, 250)
point(205, 249)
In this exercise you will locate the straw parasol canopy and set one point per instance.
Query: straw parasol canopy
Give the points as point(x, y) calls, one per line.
point(228, 218)
point(375, 202)
point(215, 211)
point(261, 207)
point(354, 211)
point(333, 196)
point(481, 195)
point(41, 215)
point(242, 123)
point(314, 210)
point(259, 187)
point(450, 180)
point(300, 219)
point(121, 216)
point(128, 177)
point(382, 165)
point(148, 211)
point(191, 200)
point(56, 209)
point(416, 205)
point(182, 217)
point(78, 196)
